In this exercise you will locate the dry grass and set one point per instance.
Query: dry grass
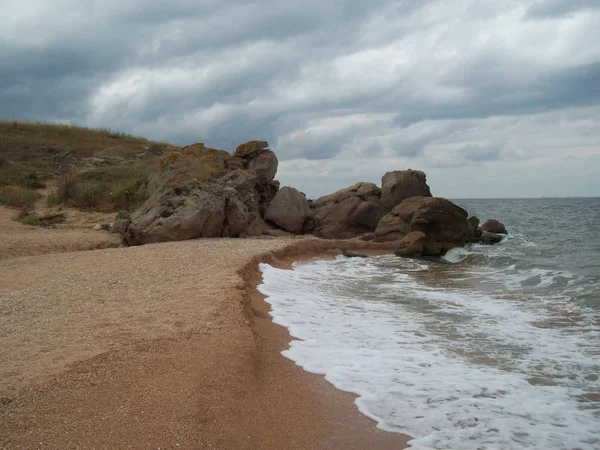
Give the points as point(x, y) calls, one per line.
point(35, 142)
point(102, 172)
point(18, 196)
point(103, 189)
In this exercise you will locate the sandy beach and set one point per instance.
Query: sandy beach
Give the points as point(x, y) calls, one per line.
point(162, 346)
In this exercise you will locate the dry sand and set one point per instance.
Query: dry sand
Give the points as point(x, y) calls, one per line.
point(163, 346)
point(17, 239)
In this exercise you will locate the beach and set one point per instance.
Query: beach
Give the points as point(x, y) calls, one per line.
point(163, 346)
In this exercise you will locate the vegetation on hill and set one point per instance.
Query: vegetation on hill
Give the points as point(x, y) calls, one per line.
point(90, 169)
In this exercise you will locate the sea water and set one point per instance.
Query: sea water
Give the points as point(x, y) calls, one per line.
point(498, 349)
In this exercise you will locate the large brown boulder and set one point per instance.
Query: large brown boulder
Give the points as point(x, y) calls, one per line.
point(178, 212)
point(289, 210)
point(474, 222)
point(402, 184)
point(203, 192)
point(192, 161)
point(264, 164)
point(444, 224)
point(250, 148)
point(349, 212)
point(493, 226)
point(361, 189)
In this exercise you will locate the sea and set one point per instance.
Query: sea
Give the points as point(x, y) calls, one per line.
point(493, 347)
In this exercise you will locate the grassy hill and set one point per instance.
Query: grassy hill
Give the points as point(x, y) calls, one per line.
point(90, 169)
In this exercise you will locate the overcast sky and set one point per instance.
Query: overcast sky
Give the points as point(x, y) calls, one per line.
point(491, 98)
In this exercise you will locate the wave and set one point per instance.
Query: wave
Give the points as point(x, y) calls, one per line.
point(447, 353)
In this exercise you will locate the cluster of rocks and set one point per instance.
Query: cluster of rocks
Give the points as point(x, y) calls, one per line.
point(204, 192)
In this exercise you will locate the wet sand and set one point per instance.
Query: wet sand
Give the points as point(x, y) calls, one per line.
point(163, 346)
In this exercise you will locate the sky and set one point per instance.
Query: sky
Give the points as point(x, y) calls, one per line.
point(494, 98)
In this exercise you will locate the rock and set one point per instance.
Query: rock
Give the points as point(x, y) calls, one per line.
point(120, 226)
point(411, 245)
point(205, 192)
point(402, 184)
point(264, 164)
point(368, 236)
point(250, 148)
point(444, 224)
point(362, 190)
point(349, 212)
point(474, 222)
point(192, 161)
point(179, 212)
point(349, 218)
point(493, 226)
point(236, 163)
point(97, 227)
point(256, 225)
point(236, 215)
point(266, 193)
point(350, 254)
point(487, 238)
point(289, 210)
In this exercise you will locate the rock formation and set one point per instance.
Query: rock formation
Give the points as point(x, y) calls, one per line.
point(474, 222)
point(289, 210)
point(444, 224)
point(203, 192)
point(493, 226)
point(349, 212)
point(399, 185)
point(412, 244)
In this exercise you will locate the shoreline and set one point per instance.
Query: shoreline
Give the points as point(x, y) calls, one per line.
point(353, 430)
point(193, 362)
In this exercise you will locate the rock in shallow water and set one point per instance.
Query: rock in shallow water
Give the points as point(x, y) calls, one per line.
point(493, 226)
point(443, 223)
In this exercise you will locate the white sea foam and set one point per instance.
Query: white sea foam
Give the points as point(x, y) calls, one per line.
point(452, 366)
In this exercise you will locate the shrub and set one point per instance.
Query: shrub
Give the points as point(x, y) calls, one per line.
point(17, 196)
point(90, 195)
point(32, 181)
